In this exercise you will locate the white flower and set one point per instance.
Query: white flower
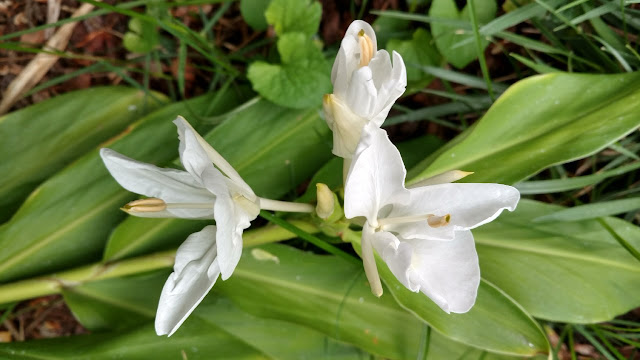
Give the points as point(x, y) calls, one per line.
point(365, 86)
point(421, 233)
point(203, 191)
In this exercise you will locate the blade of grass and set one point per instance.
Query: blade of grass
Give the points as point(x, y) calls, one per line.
point(594, 342)
point(462, 78)
point(456, 107)
point(624, 151)
point(592, 210)
point(559, 185)
point(308, 237)
point(606, 342)
point(479, 48)
point(632, 250)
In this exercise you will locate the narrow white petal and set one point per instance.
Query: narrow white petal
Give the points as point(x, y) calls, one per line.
point(212, 154)
point(470, 205)
point(381, 68)
point(391, 89)
point(444, 178)
point(169, 185)
point(369, 260)
point(376, 177)
point(362, 95)
point(231, 220)
point(447, 269)
point(195, 272)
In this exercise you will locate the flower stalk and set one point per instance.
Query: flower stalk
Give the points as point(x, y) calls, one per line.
point(55, 283)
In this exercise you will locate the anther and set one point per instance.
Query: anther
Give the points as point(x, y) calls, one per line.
point(145, 205)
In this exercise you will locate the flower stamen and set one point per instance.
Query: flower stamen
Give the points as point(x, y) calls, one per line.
point(433, 220)
point(145, 205)
point(366, 48)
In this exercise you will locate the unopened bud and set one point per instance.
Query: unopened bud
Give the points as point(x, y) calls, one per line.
point(145, 205)
point(326, 201)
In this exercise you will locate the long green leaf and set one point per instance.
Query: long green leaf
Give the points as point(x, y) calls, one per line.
point(273, 148)
point(592, 211)
point(561, 271)
point(541, 121)
point(66, 221)
point(331, 295)
point(558, 185)
point(217, 330)
point(41, 139)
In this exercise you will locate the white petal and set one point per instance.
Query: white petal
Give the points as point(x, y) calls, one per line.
point(231, 220)
point(195, 271)
point(212, 154)
point(348, 58)
point(192, 155)
point(170, 185)
point(362, 95)
point(448, 270)
point(470, 205)
point(381, 68)
point(391, 89)
point(376, 177)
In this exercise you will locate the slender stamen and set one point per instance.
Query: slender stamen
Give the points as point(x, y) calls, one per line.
point(146, 205)
point(433, 220)
point(189, 205)
point(275, 205)
point(366, 48)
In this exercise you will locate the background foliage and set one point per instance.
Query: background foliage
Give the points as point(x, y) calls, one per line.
point(538, 94)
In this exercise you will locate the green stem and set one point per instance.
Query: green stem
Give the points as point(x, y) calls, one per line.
point(55, 283)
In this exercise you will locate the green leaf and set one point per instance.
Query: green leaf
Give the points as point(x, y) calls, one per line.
point(253, 12)
point(66, 221)
point(417, 52)
point(289, 16)
point(35, 146)
point(217, 330)
point(325, 293)
point(591, 211)
point(388, 28)
point(142, 36)
point(116, 304)
point(561, 271)
point(282, 148)
point(495, 323)
point(331, 295)
point(448, 36)
point(302, 78)
point(541, 121)
point(559, 185)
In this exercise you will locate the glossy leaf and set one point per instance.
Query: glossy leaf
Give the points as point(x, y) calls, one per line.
point(449, 36)
point(559, 185)
point(541, 121)
point(592, 210)
point(282, 148)
point(35, 145)
point(331, 295)
point(561, 271)
point(300, 80)
point(66, 221)
point(253, 13)
point(217, 330)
